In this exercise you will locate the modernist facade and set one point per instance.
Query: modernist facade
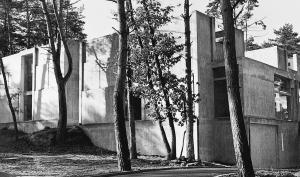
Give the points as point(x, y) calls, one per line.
point(269, 82)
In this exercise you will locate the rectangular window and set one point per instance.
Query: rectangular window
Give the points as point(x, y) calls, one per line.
point(220, 93)
point(28, 60)
point(282, 94)
point(137, 107)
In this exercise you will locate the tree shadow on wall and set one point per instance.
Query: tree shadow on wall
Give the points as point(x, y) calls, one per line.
point(105, 55)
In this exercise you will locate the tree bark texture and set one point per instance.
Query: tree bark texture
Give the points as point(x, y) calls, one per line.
point(241, 147)
point(123, 154)
point(60, 79)
point(131, 115)
point(172, 155)
point(190, 116)
point(61, 133)
point(13, 114)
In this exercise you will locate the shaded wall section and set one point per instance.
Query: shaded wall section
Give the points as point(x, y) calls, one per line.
point(205, 55)
point(99, 72)
point(258, 89)
point(148, 137)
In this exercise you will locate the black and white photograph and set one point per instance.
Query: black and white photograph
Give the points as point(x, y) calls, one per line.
point(149, 88)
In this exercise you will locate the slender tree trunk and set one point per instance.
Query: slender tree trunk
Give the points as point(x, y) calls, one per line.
point(168, 107)
point(165, 92)
point(131, 115)
point(60, 79)
point(123, 154)
point(190, 115)
point(61, 133)
point(163, 134)
point(7, 25)
point(241, 147)
point(165, 139)
point(13, 114)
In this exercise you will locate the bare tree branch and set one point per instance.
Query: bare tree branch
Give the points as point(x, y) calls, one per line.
point(236, 4)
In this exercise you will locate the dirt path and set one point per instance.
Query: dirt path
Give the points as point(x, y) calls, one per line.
point(68, 164)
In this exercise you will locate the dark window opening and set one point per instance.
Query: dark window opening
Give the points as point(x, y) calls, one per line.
point(27, 107)
point(282, 93)
point(219, 72)
point(137, 107)
point(28, 60)
point(220, 93)
point(28, 73)
point(221, 99)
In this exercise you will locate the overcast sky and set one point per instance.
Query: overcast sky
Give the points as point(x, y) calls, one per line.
point(276, 13)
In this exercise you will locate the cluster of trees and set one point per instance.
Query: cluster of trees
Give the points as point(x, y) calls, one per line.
point(151, 54)
point(286, 38)
point(148, 54)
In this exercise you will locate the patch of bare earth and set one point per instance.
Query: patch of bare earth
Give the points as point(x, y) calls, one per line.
point(267, 173)
point(36, 155)
point(49, 164)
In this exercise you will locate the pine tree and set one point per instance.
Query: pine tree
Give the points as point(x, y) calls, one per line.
point(240, 142)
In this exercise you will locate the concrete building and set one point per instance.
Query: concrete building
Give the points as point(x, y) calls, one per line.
point(269, 82)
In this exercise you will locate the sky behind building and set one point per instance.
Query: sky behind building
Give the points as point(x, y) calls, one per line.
point(276, 13)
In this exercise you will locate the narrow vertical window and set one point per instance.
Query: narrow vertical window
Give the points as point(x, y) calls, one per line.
point(282, 93)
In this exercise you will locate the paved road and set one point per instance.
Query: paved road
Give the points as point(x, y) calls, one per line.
point(191, 172)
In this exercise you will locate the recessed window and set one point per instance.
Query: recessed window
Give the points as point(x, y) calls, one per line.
point(220, 93)
point(282, 95)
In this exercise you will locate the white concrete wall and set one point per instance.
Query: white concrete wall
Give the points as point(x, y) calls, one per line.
point(268, 56)
point(44, 87)
point(148, 137)
point(98, 82)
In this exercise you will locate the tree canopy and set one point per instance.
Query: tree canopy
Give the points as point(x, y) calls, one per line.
point(23, 24)
point(243, 12)
point(287, 38)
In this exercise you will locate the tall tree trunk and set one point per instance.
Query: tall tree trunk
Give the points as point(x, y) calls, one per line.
point(60, 79)
point(13, 114)
point(190, 116)
point(168, 107)
point(162, 130)
point(123, 154)
point(241, 147)
point(131, 115)
point(61, 133)
point(8, 50)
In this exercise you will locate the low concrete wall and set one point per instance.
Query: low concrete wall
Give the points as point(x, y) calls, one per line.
point(147, 135)
point(216, 141)
point(274, 143)
point(289, 145)
point(31, 126)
